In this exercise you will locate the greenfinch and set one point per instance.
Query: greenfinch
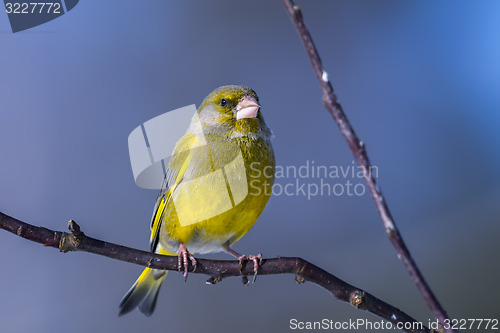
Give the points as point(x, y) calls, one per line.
point(218, 181)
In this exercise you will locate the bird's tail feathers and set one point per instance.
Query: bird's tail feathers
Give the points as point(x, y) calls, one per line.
point(144, 292)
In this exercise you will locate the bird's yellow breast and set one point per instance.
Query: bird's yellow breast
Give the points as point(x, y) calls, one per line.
point(212, 209)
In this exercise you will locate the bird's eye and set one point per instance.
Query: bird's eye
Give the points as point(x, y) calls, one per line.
point(223, 102)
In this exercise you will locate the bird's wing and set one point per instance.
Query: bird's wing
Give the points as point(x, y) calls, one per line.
point(189, 148)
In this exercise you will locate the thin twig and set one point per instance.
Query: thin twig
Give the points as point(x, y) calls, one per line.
point(76, 240)
point(358, 149)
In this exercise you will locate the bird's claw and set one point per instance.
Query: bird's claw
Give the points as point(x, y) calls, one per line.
point(182, 260)
point(257, 260)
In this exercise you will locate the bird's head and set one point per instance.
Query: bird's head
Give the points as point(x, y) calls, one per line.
point(233, 109)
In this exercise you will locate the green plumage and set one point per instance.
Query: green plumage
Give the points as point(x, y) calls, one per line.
point(218, 182)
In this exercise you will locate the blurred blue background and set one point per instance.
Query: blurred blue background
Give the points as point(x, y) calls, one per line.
point(419, 81)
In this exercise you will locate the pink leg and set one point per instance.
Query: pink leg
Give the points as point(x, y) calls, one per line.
point(183, 260)
point(256, 260)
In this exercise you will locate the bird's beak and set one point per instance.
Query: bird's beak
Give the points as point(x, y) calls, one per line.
point(247, 108)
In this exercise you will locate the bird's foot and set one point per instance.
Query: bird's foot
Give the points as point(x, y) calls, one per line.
point(183, 260)
point(257, 260)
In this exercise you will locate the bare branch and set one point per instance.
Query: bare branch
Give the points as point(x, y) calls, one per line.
point(358, 149)
point(304, 271)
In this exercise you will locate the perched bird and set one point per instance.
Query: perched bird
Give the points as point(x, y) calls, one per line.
point(218, 181)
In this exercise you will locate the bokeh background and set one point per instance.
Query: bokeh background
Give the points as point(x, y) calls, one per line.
point(419, 81)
